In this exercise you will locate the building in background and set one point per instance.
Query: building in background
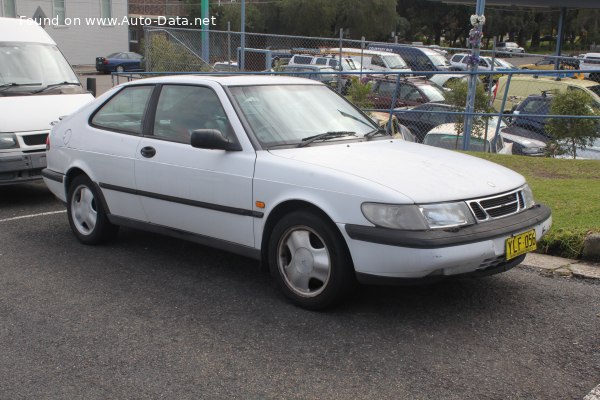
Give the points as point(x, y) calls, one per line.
point(83, 30)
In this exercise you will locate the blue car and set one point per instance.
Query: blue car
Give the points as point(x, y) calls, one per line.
point(119, 62)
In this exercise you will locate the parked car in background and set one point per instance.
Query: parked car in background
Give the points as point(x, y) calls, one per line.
point(417, 58)
point(545, 64)
point(458, 62)
point(119, 62)
point(286, 171)
point(507, 65)
point(37, 87)
point(522, 86)
point(225, 66)
point(411, 92)
point(380, 61)
point(444, 80)
point(445, 136)
point(591, 61)
point(397, 131)
point(314, 72)
point(424, 117)
point(509, 48)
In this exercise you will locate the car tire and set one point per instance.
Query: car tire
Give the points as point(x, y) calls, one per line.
point(120, 68)
point(295, 244)
point(86, 213)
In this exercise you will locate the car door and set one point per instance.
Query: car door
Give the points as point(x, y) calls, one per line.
point(115, 133)
point(205, 192)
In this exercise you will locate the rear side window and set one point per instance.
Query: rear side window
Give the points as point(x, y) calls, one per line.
point(456, 58)
point(302, 59)
point(124, 112)
point(321, 61)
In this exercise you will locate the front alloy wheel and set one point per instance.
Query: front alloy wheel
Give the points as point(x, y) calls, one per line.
point(303, 261)
point(309, 260)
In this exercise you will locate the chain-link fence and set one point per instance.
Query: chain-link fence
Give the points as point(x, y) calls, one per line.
point(423, 87)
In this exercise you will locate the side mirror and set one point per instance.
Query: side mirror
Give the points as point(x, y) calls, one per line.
point(212, 139)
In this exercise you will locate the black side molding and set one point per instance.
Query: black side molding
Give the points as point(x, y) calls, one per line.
point(53, 175)
point(220, 244)
point(445, 238)
point(188, 202)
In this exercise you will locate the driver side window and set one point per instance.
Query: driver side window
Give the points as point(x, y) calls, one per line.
point(183, 109)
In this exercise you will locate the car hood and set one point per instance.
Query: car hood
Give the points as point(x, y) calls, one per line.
point(422, 173)
point(34, 113)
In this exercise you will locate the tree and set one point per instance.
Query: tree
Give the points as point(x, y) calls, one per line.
point(457, 96)
point(572, 133)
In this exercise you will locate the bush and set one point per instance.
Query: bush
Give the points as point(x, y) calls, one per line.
point(165, 55)
point(359, 93)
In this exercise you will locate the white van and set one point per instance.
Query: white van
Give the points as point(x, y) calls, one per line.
point(372, 59)
point(37, 86)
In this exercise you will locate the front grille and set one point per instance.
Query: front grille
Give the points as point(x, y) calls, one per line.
point(497, 206)
point(35, 140)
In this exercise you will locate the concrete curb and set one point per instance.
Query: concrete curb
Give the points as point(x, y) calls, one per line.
point(558, 266)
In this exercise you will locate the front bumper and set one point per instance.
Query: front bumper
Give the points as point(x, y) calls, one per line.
point(21, 167)
point(390, 253)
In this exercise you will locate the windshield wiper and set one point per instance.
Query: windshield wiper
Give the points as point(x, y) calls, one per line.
point(5, 86)
point(53, 85)
point(345, 114)
point(378, 131)
point(325, 136)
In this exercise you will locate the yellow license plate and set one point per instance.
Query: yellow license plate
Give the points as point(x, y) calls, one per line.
point(520, 244)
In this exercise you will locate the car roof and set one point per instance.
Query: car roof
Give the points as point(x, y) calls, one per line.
point(224, 80)
point(23, 30)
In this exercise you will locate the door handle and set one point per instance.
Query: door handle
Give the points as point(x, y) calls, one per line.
point(148, 151)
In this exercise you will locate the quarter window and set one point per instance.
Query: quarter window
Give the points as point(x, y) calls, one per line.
point(183, 109)
point(125, 111)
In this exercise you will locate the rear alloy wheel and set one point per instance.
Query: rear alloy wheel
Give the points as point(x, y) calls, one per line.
point(86, 214)
point(309, 260)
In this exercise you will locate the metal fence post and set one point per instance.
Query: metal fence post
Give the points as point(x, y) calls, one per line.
point(475, 50)
point(362, 52)
point(502, 109)
point(339, 77)
point(229, 44)
point(242, 60)
point(393, 105)
point(147, 48)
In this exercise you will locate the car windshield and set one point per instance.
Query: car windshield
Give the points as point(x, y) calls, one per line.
point(439, 60)
point(433, 93)
point(27, 67)
point(393, 61)
point(286, 114)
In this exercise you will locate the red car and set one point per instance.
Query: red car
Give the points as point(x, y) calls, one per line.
point(411, 92)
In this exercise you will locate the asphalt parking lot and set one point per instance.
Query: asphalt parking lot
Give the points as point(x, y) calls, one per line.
point(152, 317)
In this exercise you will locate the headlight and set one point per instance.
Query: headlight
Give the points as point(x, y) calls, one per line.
point(527, 196)
point(447, 215)
point(414, 218)
point(8, 141)
point(405, 217)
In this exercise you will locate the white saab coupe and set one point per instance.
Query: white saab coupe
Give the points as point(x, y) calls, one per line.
point(286, 171)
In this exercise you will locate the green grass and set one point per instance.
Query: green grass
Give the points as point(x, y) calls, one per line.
point(571, 188)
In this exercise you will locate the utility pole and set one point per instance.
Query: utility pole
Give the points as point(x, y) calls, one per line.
point(242, 60)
